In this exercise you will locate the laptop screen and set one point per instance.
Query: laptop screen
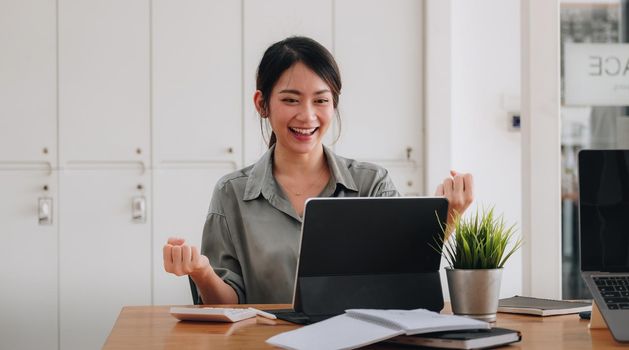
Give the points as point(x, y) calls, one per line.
point(374, 253)
point(604, 210)
point(354, 236)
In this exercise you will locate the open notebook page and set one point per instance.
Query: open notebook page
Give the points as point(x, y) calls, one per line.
point(360, 327)
point(418, 321)
point(339, 332)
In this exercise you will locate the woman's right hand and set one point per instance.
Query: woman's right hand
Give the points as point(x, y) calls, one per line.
point(182, 259)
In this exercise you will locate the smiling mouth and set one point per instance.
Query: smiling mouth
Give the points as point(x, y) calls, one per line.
point(303, 132)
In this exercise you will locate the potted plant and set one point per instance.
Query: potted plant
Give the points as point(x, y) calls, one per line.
point(476, 253)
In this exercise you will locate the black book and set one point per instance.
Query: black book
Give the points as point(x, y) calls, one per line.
point(466, 339)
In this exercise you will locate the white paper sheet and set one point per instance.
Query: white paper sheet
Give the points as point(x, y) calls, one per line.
point(339, 332)
point(419, 320)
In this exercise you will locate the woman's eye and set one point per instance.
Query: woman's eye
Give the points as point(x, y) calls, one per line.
point(289, 100)
point(322, 101)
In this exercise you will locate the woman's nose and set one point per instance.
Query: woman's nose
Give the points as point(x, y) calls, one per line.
point(307, 112)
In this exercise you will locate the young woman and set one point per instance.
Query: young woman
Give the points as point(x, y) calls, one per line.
point(251, 235)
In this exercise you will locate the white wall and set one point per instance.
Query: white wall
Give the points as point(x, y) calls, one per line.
point(485, 86)
point(541, 158)
point(484, 81)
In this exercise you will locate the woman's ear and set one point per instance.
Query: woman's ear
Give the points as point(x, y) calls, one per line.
point(258, 101)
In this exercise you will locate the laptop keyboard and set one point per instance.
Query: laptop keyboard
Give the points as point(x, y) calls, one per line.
point(615, 291)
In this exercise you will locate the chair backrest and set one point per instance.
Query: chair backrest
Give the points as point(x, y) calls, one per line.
point(196, 300)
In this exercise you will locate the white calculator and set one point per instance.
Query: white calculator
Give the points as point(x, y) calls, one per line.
point(216, 314)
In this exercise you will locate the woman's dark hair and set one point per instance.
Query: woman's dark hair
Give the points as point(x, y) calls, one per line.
point(284, 54)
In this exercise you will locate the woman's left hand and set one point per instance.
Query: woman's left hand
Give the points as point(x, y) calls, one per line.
point(459, 190)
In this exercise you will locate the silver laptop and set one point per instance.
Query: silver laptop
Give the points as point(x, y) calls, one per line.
point(604, 232)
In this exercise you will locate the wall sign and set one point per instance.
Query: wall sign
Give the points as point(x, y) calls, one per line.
point(596, 74)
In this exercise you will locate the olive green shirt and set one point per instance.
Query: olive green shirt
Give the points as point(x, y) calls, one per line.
point(252, 232)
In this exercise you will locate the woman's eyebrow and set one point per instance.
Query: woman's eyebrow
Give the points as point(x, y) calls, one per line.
point(297, 92)
point(290, 91)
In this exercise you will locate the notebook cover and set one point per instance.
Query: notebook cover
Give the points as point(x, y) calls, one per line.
point(466, 339)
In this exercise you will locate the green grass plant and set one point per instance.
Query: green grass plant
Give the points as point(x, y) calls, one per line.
point(479, 241)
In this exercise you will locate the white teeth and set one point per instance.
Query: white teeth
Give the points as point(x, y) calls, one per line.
point(304, 131)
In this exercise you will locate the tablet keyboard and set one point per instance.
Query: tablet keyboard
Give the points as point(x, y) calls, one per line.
point(299, 317)
point(214, 314)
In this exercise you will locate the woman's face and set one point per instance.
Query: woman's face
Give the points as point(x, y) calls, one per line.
point(300, 109)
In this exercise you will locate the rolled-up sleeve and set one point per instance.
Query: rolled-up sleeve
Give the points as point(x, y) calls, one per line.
point(218, 246)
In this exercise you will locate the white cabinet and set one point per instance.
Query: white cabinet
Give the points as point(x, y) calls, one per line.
point(197, 121)
point(101, 97)
point(28, 291)
point(379, 51)
point(266, 22)
point(104, 131)
point(197, 81)
point(182, 198)
point(407, 177)
point(104, 81)
point(105, 255)
point(28, 83)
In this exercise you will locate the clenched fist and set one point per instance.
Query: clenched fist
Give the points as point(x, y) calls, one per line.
point(459, 190)
point(182, 259)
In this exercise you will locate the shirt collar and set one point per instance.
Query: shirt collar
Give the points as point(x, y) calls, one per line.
point(339, 169)
point(261, 175)
point(261, 180)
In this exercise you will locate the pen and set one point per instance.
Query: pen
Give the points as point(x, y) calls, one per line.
point(263, 314)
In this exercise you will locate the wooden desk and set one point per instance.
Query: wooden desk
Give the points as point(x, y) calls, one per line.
point(152, 327)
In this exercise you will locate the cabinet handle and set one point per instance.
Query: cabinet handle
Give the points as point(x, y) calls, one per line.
point(44, 211)
point(408, 153)
point(138, 208)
